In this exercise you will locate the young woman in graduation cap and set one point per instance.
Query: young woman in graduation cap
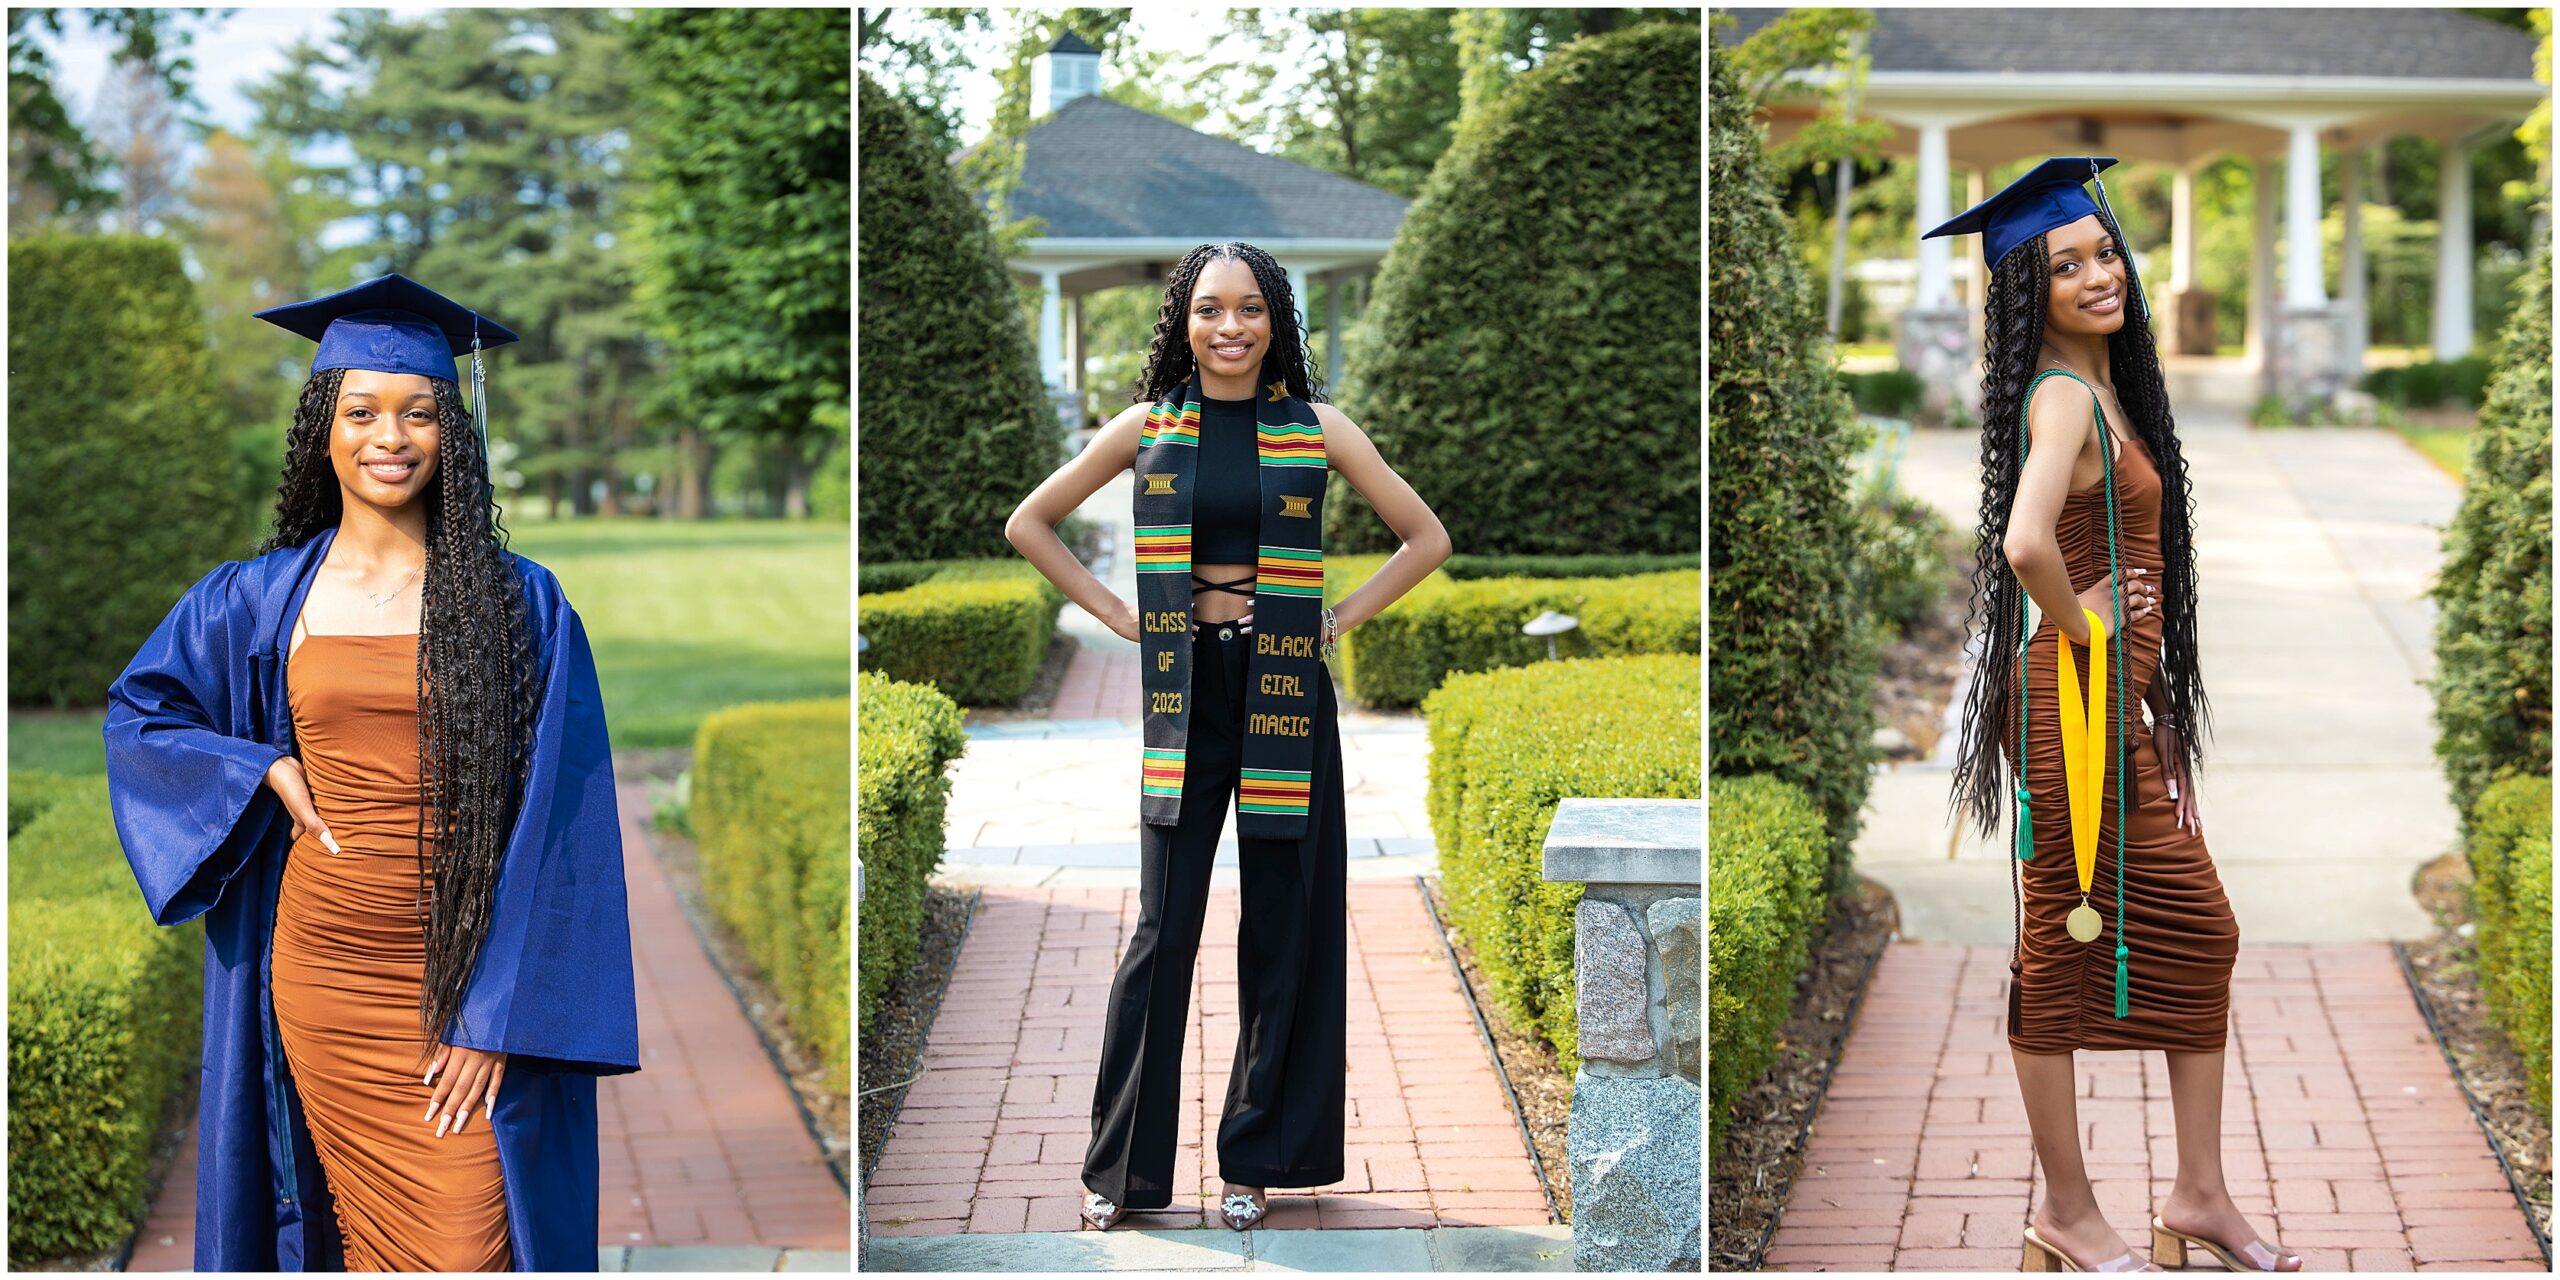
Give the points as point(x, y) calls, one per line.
point(1232, 631)
point(373, 760)
point(2086, 509)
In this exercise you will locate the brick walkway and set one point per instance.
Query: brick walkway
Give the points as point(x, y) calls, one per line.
point(702, 1146)
point(1100, 684)
point(1920, 1158)
point(992, 1138)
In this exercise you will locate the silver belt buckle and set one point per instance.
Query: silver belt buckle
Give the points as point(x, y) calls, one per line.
point(1226, 633)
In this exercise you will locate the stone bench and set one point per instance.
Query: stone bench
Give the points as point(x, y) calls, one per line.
point(1634, 1138)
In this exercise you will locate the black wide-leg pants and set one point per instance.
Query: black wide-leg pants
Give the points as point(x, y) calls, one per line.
point(1283, 1119)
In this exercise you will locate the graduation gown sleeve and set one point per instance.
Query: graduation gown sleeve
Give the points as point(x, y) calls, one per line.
point(552, 988)
point(187, 784)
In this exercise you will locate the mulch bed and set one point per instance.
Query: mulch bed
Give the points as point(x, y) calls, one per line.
point(1538, 1080)
point(1750, 1175)
point(1917, 671)
point(2448, 972)
point(893, 1049)
point(828, 1111)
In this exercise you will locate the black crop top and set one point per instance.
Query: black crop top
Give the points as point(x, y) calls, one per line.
point(1226, 498)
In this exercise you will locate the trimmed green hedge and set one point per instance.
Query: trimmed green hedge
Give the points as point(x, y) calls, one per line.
point(1888, 393)
point(2430, 382)
point(2493, 590)
point(1766, 851)
point(956, 426)
point(1901, 569)
point(910, 733)
point(1466, 567)
point(1794, 659)
point(769, 816)
point(1529, 357)
point(976, 629)
point(2510, 854)
point(104, 1023)
point(1398, 657)
point(1505, 747)
point(107, 338)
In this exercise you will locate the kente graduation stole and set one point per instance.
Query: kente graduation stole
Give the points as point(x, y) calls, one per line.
point(1285, 663)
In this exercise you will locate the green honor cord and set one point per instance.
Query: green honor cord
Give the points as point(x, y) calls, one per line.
point(2026, 815)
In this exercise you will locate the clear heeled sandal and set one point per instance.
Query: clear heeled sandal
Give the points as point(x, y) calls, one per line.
point(1242, 1211)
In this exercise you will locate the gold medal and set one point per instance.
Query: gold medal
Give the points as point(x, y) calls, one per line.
point(2084, 923)
point(2084, 761)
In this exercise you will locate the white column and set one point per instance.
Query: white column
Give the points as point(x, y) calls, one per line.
point(1977, 278)
point(2351, 288)
point(1049, 325)
point(1075, 347)
point(1933, 294)
point(2303, 286)
point(1333, 331)
point(2182, 232)
point(2453, 252)
point(2262, 257)
point(1298, 294)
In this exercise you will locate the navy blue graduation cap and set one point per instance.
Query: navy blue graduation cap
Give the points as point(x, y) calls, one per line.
point(2045, 197)
point(393, 324)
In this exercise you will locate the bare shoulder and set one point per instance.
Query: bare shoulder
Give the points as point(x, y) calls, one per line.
point(2059, 411)
point(1118, 438)
point(1336, 423)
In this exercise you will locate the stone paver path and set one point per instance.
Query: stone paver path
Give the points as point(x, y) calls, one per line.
point(992, 1138)
point(702, 1146)
point(2344, 1134)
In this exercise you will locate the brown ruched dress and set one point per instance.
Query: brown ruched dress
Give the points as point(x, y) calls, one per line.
point(349, 954)
point(2177, 922)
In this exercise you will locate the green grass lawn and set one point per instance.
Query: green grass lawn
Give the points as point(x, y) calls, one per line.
point(2447, 447)
point(685, 619)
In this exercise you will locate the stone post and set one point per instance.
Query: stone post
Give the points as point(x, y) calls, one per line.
point(1634, 1140)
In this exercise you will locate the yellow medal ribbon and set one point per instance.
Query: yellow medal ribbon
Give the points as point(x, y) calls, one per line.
point(2084, 760)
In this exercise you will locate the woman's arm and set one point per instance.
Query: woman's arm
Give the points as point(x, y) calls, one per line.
point(1033, 526)
point(1349, 451)
point(2058, 422)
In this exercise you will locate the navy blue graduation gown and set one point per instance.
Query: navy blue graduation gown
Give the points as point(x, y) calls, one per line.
point(192, 725)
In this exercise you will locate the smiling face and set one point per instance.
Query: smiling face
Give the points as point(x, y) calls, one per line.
point(2086, 267)
point(383, 441)
point(1230, 322)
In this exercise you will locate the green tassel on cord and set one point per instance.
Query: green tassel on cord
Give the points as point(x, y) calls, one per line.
point(2122, 1007)
point(2026, 829)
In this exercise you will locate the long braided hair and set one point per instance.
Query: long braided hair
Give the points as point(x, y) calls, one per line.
point(475, 727)
point(1169, 361)
point(2013, 335)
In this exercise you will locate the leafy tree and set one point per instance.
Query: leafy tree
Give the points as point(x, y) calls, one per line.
point(100, 543)
point(744, 204)
point(1790, 657)
point(2493, 592)
point(956, 426)
point(1529, 358)
point(54, 167)
point(488, 149)
point(1811, 40)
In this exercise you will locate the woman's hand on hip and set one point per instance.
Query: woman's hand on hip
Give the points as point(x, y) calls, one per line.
point(2166, 744)
point(2141, 601)
point(471, 1078)
point(284, 777)
point(1123, 620)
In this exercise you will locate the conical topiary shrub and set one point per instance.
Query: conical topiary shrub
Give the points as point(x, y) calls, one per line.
point(955, 424)
point(1529, 360)
point(2493, 591)
point(1790, 669)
